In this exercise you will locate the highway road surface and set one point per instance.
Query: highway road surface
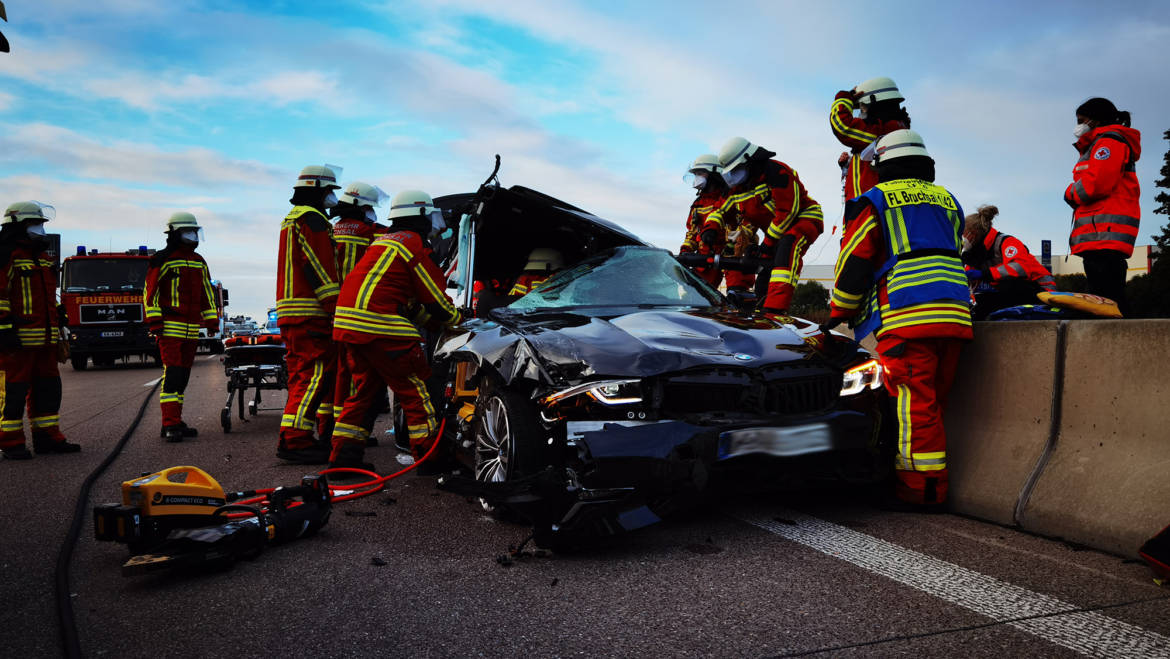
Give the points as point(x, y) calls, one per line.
point(413, 571)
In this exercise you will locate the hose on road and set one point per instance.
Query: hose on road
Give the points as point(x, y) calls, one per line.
point(67, 623)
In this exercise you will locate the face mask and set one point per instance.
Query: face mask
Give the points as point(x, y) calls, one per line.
point(189, 236)
point(736, 176)
point(863, 112)
point(36, 231)
point(1080, 130)
point(371, 216)
point(330, 200)
point(437, 223)
point(699, 182)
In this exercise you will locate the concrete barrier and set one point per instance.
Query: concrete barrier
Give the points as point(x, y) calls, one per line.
point(1107, 484)
point(998, 416)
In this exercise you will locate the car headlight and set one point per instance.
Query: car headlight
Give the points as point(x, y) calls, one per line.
point(607, 392)
point(868, 374)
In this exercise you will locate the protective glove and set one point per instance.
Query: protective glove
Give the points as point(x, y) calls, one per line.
point(156, 328)
point(828, 327)
point(709, 237)
point(9, 339)
point(974, 275)
point(767, 250)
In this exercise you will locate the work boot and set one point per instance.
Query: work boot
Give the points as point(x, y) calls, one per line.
point(351, 456)
point(17, 453)
point(187, 431)
point(45, 446)
point(308, 455)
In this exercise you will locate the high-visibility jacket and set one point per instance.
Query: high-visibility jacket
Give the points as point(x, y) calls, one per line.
point(395, 274)
point(352, 236)
point(1105, 190)
point(856, 134)
point(1009, 259)
point(705, 203)
point(899, 271)
point(775, 201)
point(28, 296)
point(306, 269)
point(528, 281)
point(178, 293)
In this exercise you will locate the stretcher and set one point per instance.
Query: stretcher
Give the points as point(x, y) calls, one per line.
point(255, 362)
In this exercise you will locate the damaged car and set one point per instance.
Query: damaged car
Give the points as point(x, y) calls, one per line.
point(624, 386)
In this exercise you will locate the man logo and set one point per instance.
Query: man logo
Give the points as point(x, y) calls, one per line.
point(1102, 153)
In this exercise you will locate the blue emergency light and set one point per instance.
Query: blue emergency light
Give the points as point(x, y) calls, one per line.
point(81, 250)
point(142, 249)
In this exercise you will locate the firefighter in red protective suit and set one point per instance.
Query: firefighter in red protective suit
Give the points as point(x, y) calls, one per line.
point(900, 276)
point(1000, 269)
point(1104, 196)
point(354, 230)
point(179, 301)
point(306, 295)
point(768, 195)
point(378, 340)
point(880, 112)
point(29, 331)
point(710, 193)
point(543, 262)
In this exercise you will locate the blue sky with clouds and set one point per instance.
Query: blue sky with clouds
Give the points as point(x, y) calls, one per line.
point(121, 112)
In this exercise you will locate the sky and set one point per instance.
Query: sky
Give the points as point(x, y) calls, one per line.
point(121, 112)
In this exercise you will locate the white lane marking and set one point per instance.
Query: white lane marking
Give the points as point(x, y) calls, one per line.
point(152, 382)
point(1087, 632)
point(210, 357)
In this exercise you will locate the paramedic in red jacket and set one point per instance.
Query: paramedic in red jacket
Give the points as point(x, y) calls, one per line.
point(710, 191)
point(768, 195)
point(179, 301)
point(306, 294)
point(379, 341)
point(880, 112)
point(1104, 196)
point(1000, 269)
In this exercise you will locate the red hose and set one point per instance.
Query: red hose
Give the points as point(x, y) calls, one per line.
point(352, 491)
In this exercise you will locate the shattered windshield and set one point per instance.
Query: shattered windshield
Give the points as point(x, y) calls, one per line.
point(624, 276)
point(100, 275)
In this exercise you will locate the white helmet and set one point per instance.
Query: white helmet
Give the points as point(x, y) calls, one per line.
point(705, 163)
point(319, 176)
point(29, 210)
point(878, 89)
point(735, 152)
point(545, 259)
point(416, 203)
point(182, 220)
point(363, 194)
point(898, 144)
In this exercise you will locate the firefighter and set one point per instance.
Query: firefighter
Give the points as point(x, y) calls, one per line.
point(880, 112)
point(1000, 269)
point(900, 276)
point(306, 295)
point(767, 194)
point(29, 331)
point(354, 230)
point(543, 262)
point(710, 191)
point(1104, 196)
point(179, 301)
point(378, 342)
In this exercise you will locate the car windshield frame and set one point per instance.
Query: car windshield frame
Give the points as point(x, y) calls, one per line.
point(610, 270)
point(96, 270)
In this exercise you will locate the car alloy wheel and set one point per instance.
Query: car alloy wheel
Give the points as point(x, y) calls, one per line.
point(493, 442)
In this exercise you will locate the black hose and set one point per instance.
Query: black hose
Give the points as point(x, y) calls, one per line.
point(67, 623)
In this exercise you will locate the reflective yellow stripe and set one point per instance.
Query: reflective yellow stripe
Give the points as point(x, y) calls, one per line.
point(291, 421)
point(381, 267)
point(905, 428)
point(302, 414)
point(843, 128)
point(40, 422)
point(11, 425)
point(421, 388)
point(866, 226)
point(843, 300)
point(345, 430)
point(930, 461)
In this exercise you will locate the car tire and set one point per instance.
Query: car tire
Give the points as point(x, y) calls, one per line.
point(79, 361)
point(509, 441)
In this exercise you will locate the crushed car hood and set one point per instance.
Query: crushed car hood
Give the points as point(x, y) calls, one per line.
point(562, 346)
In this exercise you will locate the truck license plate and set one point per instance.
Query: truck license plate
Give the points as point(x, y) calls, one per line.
point(111, 334)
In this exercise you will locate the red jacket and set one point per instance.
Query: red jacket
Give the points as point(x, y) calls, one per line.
point(306, 269)
point(856, 134)
point(1104, 192)
point(377, 299)
point(775, 201)
point(705, 203)
point(352, 236)
point(178, 295)
point(528, 281)
point(1008, 258)
point(28, 297)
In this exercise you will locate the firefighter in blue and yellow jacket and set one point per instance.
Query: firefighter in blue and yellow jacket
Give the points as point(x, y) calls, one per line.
point(901, 277)
point(179, 302)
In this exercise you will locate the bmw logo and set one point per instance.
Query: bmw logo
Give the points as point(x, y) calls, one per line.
point(743, 357)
